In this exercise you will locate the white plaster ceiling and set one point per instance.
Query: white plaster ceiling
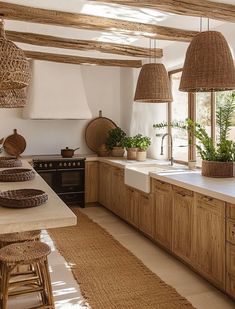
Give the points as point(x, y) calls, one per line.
point(111, 11)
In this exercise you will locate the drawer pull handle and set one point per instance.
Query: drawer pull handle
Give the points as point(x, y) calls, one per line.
point(207, 199)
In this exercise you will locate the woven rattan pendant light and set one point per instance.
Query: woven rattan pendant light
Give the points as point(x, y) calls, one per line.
point(153, 85)
point(12, 98)
point(208, 65)
point(14, 66)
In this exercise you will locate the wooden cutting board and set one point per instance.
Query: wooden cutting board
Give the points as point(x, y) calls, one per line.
point(14, 144)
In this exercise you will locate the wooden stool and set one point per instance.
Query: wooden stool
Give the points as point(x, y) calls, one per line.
point(8, 239)
point(29, 253)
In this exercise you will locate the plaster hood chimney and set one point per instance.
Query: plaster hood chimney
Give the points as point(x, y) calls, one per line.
point(56, 91)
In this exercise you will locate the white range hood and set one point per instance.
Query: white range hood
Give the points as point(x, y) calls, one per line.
point(56, 91)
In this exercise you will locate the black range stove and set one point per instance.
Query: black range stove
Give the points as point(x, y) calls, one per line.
point(66, 176)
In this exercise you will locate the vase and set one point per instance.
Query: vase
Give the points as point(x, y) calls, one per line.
point(117, 152)
point(217, 169)
point(132, 153)
point(141, 155)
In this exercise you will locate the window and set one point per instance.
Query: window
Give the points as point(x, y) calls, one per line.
point(179, 112)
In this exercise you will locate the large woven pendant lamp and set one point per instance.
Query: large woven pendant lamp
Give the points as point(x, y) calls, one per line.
point(153, 85)
point(12, 98)
point(209, 65)
point(14, 66)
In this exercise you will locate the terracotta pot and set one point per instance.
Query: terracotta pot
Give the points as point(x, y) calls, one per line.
point(217, 169)
point(132, 153)
point(141, 155)
point(117, 152)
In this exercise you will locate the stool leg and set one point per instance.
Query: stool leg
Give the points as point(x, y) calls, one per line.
point(5, 285)
point(47, 283)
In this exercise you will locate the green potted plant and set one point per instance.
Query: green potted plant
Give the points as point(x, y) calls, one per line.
point(114, 142)
point(217, 159)
point(130, 143)
point(142, 142)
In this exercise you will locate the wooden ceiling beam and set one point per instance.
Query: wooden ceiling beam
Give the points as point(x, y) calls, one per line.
point(103, 47)
point(82, 60)
point(200, 8)
point(58, 18)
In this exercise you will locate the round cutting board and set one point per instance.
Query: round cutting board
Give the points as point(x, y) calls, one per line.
point(14, 144)
point(97, 131)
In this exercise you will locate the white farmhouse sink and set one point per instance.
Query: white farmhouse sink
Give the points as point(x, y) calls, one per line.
point(138, 176)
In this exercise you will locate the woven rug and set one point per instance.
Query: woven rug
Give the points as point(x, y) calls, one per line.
point(110, 276)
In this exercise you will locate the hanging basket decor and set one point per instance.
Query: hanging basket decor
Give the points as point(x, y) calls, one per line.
point(153, 85)
point(208, 65)
point(12, 98)
point(14, 66)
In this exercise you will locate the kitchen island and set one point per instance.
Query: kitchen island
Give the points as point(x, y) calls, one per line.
point(54, 213)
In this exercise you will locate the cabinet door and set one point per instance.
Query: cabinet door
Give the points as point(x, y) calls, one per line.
point(132, 206)
point(210, 238)
point(118, 195)
point(182, 223)
point(105, 174)
point(146, 214)
point(91, 182)
point(230, 266)
point(163, 218)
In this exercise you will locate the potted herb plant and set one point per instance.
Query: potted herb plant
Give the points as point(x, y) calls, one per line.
point(217, 159)
point(114, 142)
point(142, 142)
point(130, 143)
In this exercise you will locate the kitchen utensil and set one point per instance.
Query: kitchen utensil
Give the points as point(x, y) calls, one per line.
point(97, 130)
point(14, 144)
point(67, 152)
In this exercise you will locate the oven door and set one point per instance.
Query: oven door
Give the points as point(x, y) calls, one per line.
point(50, 178)
point(71, 180)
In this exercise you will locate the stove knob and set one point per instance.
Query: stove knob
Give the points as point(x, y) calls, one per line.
point(40, 165)
point(45, 165)
point(74, 163)
point(60, 164)
point(50, 164)
point(78, 164)
point(69, 164)
point(65, 164)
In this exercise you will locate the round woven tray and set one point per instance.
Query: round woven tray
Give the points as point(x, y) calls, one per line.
point(22, 198)
point(17, 174)
point(9, 162)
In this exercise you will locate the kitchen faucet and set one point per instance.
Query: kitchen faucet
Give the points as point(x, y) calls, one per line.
point(171, 151)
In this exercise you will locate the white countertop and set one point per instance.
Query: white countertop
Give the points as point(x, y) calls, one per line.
point(54, 213)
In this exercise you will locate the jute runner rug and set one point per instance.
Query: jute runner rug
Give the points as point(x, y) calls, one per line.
point(111, 277)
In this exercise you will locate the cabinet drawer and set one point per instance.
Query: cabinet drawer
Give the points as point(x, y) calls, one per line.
point(182, 191)
point(210, 203)
point(230, 285)
point(160, 185)
point(230, 230)
point(230, 211)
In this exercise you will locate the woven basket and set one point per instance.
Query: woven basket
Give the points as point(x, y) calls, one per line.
point(132, 153)
point(17, 174)
point(14, 66)
point(22, 198)
point(9, 162)
point(208, 64)
point(12, 98)
point(217, 169)
point(153, 84)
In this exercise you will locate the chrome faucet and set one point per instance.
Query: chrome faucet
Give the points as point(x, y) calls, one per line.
point(171, 150)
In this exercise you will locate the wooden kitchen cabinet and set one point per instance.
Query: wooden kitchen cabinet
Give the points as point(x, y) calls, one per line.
point(182, 223)
point(210, 238)
point(132, 206)
point(163, 212)
point(146, 214)
point(118, 192)
point(105, 177)
point(91, 182)
point(230, 249)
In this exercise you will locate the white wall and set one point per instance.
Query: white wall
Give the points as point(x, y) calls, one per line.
point(102, 86)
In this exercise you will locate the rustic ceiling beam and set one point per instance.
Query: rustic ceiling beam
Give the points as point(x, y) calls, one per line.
point(58, 42)
point(200, 8)
point(82, 60)
point(82, 21)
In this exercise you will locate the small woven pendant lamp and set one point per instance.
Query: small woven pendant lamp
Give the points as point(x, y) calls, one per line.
point(12, 98)
point(153, 85)
point(208, 65)
point(14, 66)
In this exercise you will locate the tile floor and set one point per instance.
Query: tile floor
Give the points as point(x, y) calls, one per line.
point(66, 291)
